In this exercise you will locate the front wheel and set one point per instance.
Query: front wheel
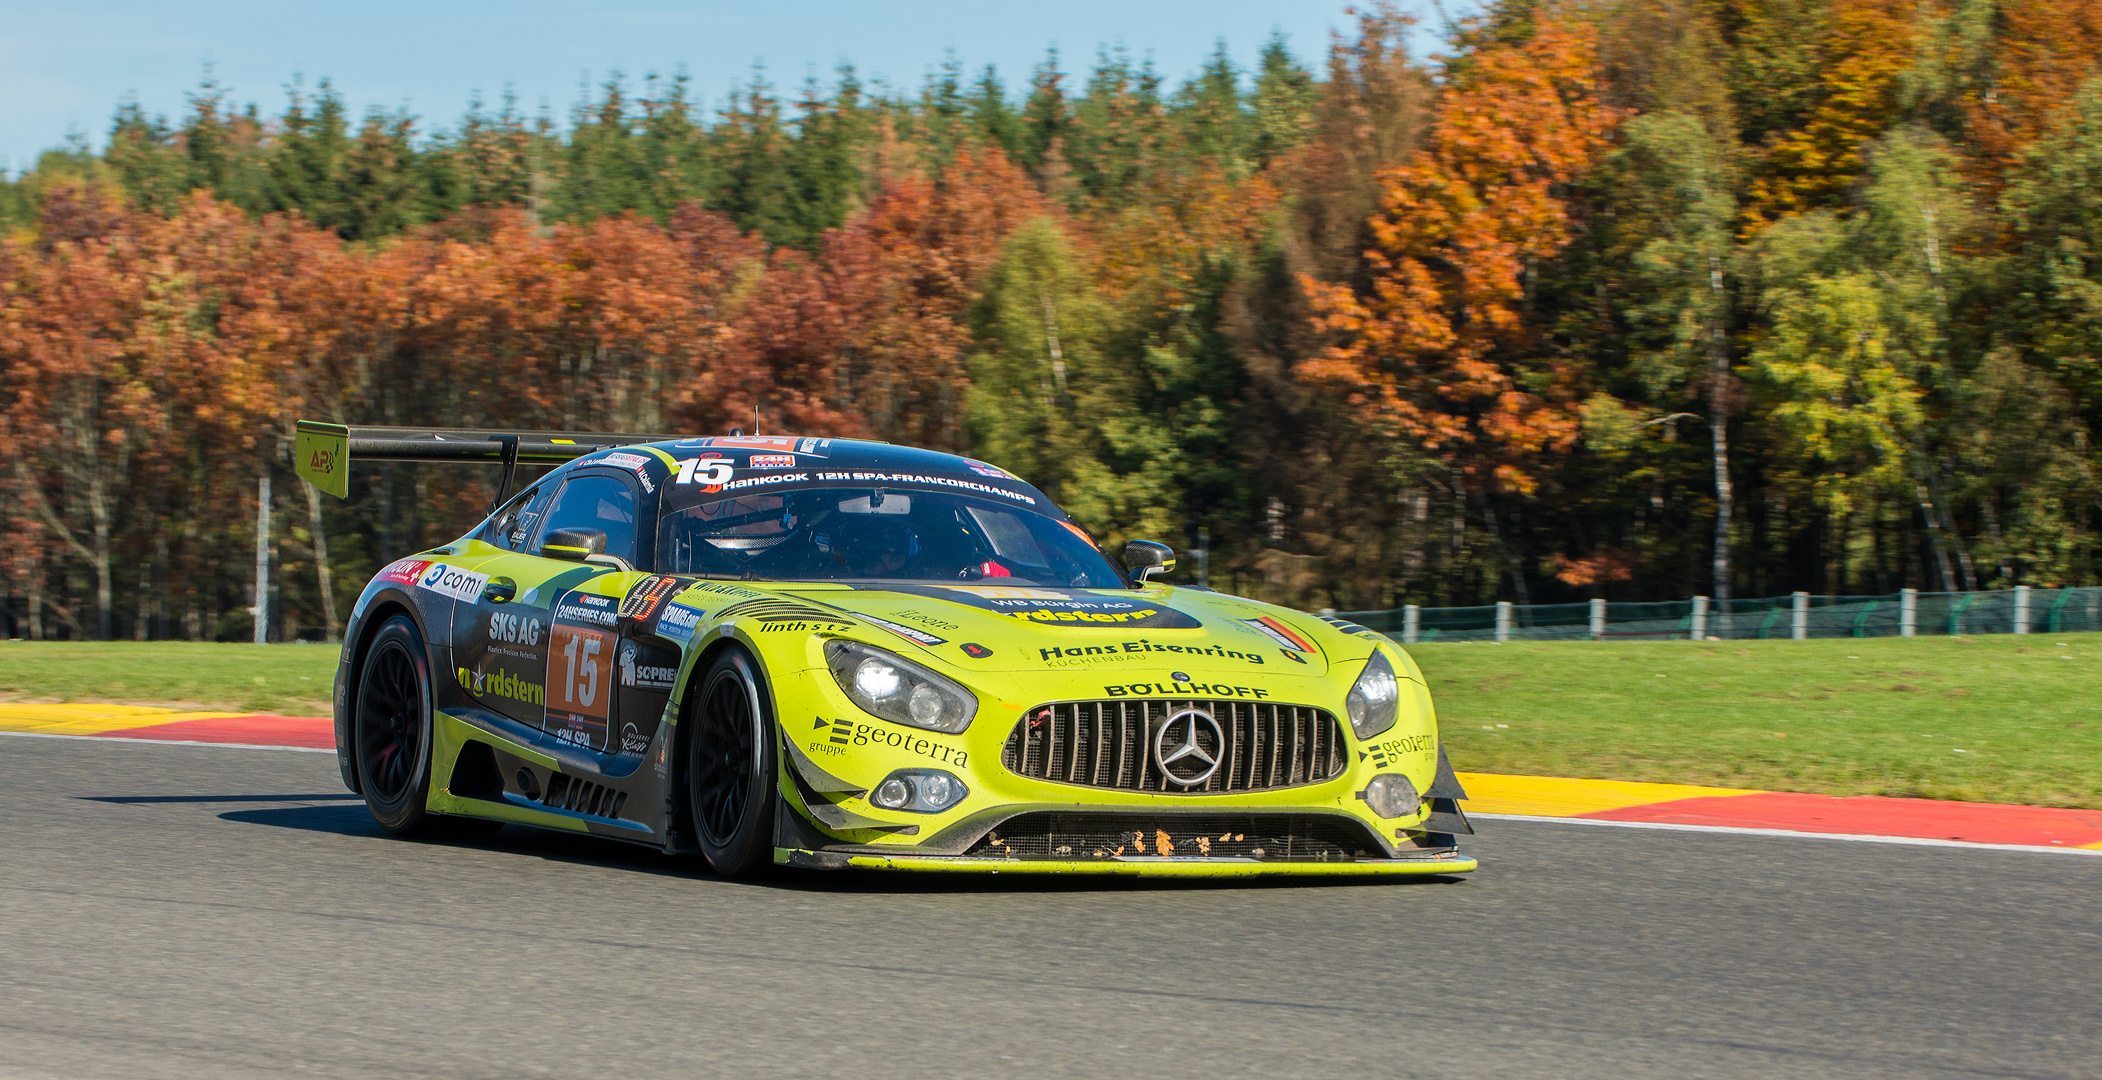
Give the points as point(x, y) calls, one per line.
point(731, 767)
point(391, 730)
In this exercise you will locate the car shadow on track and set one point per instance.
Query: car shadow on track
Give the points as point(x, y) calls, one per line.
point(345, 815)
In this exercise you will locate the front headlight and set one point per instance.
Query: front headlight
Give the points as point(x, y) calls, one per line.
point(1373, 699)
point(895, 688)
point(922, 791)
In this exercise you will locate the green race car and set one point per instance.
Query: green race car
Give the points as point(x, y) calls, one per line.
point(830, 653)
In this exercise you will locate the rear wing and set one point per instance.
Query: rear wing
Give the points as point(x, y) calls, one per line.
point(322, 453)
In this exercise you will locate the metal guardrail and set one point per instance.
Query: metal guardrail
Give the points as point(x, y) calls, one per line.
point(1798, 616)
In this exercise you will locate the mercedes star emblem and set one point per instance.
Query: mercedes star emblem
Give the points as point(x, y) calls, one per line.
point(1179, 753)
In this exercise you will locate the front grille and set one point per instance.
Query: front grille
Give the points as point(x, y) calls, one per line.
point(1109, 744)
point(1269, 837)
point(583, 796)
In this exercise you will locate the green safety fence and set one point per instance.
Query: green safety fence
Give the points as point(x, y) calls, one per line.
point(1768, 618)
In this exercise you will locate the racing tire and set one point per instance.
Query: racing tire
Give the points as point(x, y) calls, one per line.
point(731, 764)
point(391, 729)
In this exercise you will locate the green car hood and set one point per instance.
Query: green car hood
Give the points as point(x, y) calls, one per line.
point(989, 627)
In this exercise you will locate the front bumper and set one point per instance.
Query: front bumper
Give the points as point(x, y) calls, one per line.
point(1444, 862)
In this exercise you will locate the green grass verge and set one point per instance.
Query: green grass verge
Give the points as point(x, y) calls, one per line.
point(1877, 716)
point(291, 679)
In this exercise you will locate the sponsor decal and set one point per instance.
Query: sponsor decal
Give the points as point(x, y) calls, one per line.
point(648, 594)
point(1281, 632)
point(994, 471)
point(859, 476)
point(726, 590)
point(405, 571)
point(525, 526)
point(1390, 751)
point(771, 461)
point(908, 633)
point(1061, 607)
point(631, 740)
point(642, 676)
point(780, 444)
point(1293, 656)
point(762, 481)
point(974, 650)
point(502, 684)
point(580, 649)
point(925, 619)
point(845, 733)
point(636, 463)
point(773, 627)
point(453, 582)
point(514, 629)
point(776, 613)
point(1182, 688)
point(585, 608)
point(678, 622)
point(1143, 646)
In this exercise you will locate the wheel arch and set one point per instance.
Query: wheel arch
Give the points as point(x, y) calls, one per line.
point(683, 835)
point(384, 608)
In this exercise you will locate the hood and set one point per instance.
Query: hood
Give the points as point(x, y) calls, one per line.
point(1028, 628)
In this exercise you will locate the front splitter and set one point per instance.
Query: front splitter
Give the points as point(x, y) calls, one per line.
point(1170, 866)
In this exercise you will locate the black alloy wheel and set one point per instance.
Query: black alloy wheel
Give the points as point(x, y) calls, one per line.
point(731, 767)
point(391, 729)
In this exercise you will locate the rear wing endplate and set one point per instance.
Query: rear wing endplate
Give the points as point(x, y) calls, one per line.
point(322, 453)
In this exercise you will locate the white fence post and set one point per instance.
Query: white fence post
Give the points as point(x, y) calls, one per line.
point(1503, 620)
point(1598, 619)
point(2021, 609)
point(262, 561)
point(1801, 621)
point(1698, 629)
point(1411, 623)
point(1908, 612)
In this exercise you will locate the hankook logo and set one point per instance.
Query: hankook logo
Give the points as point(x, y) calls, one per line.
point(1179, 747)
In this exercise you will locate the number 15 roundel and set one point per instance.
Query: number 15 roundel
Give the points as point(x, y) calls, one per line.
point(579, 685)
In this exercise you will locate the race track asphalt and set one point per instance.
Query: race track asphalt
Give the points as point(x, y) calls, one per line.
point(183, 911)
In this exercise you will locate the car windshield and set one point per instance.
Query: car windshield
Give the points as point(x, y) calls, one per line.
point(874, 534)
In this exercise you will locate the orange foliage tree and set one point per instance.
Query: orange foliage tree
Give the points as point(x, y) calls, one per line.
point(1431, 339)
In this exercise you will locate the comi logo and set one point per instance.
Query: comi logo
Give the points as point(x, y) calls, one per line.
point(454, 582)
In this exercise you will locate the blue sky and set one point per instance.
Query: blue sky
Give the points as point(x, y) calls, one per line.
point(64, 66)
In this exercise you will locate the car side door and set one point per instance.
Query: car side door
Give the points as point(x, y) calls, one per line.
point(500, 636)
point(601, 509)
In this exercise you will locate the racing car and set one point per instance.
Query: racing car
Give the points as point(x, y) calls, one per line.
point(831, 653)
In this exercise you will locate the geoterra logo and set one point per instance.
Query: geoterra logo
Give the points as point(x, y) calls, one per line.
point(848, 733)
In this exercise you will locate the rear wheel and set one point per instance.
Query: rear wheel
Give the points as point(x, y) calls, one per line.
point(391, 730)
point(731, 767)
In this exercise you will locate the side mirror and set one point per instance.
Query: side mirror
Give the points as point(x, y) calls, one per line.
point(1144, 558)
point(576, 545)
